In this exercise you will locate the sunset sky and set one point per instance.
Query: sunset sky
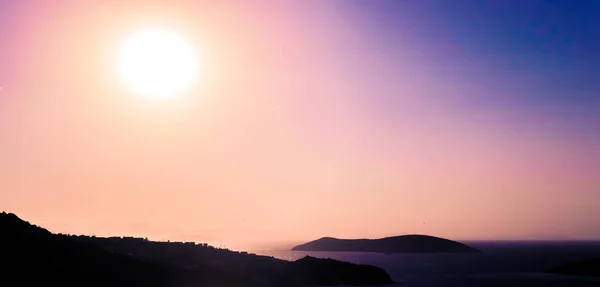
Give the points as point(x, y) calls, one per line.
point(470, 120)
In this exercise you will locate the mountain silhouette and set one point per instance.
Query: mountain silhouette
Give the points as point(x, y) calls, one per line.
point(32, 256)
point(396, 244)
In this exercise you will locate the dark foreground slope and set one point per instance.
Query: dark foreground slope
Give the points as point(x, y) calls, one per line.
point(243, 267)
point(32, 256)
point(590, 267)
point(397, 244)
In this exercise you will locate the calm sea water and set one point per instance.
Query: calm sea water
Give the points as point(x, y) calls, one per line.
point(501, 264)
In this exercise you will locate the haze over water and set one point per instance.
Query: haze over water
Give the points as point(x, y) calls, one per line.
point(501, 264)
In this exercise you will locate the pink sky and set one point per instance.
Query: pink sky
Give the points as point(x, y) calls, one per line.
point(289, 137)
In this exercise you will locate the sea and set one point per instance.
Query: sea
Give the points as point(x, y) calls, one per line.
point(502, 264)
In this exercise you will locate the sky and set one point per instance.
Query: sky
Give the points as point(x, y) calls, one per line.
point(469, 120)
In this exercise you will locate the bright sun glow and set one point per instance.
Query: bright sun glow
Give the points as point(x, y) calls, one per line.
point(156, 63)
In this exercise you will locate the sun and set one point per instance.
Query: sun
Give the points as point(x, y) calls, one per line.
point(156, 63)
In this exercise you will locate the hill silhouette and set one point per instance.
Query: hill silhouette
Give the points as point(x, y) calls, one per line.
point(396, 244)
point(589, 267)
point(32, 256)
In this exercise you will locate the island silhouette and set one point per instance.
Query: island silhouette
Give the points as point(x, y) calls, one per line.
point(413, 243)
point(33, 256)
